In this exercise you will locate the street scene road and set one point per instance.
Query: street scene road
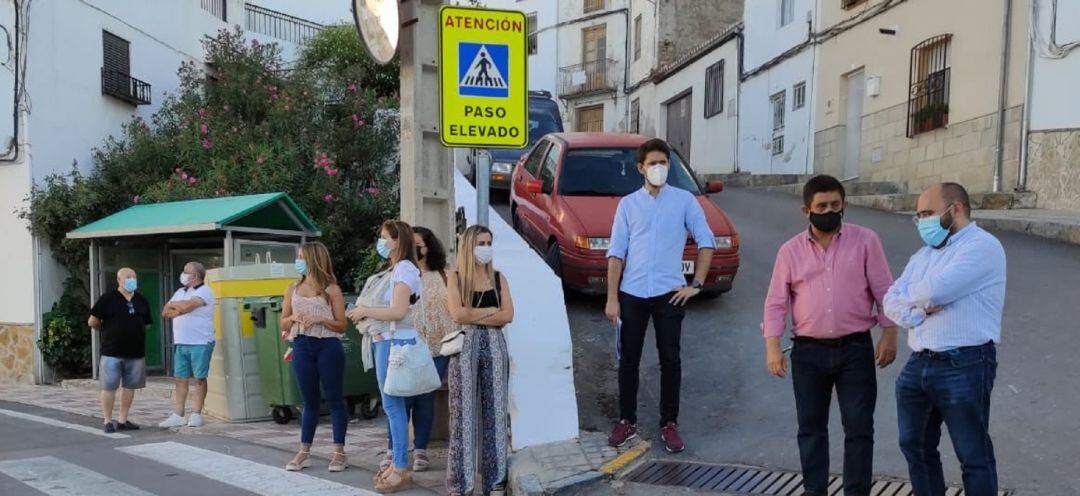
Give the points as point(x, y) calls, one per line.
point(61, 454)
point(734, 412)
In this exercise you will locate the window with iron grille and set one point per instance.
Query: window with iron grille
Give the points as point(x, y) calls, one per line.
point(530, 27)
point(928, 94)
point(798, 96)
point(778, 111)
point(637, 37)
point(787, 12)
point(635, 116)
point(714, 89)
point(847, 4)
point(593, 5)
point(778, 145)
point(116, 77)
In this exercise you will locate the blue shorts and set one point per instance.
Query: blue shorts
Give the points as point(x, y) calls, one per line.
point(192, 360)
point(130, 371)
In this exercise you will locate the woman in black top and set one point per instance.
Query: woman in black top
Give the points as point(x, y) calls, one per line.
point(478, 298)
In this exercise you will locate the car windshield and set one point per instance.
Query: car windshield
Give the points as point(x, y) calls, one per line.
point(613, 172)
point(541, 124)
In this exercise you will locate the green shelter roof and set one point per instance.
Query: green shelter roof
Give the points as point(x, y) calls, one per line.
point(264, 213)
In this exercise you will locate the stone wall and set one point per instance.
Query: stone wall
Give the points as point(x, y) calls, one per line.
point(961, 152)
point(1054, 168)
point(16, 354)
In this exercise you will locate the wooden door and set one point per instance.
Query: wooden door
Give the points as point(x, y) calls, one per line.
point(593, 55)
point(590, 119)
point(679, 115)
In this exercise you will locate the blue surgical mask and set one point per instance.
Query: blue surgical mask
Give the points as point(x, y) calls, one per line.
point(383, 248)
point(301, 266)
point(932, 232)
point(130, 285)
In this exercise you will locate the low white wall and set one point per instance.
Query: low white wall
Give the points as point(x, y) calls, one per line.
point(543, 405)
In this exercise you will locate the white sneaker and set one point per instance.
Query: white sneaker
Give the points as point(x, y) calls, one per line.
point(194, 420)
point(174, 420)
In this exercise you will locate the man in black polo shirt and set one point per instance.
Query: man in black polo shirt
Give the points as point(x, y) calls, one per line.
point(122, 316)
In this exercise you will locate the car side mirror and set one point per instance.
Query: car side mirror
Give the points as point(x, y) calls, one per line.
point(714, 186)
point(534, 187)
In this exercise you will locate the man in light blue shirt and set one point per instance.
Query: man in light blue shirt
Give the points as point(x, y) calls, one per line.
point(645, 281)
point(950, 297)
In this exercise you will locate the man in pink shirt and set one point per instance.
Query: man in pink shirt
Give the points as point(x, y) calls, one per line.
point(831, 277)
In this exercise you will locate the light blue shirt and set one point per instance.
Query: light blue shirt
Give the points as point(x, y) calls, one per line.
point(649, 236)
point(966, 278)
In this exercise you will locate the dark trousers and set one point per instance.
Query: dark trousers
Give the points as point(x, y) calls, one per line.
point(952, 387)
point(815, 370)
point(315, 361)
point(667, 320)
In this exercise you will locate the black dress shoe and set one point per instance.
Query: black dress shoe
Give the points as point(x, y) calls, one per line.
point(127, 426)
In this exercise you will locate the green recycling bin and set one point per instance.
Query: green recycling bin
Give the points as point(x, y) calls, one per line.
point(279, 388)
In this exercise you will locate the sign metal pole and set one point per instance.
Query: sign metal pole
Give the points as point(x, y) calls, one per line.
point(483, 187)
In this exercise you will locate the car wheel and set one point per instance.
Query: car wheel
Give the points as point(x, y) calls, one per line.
point(554, 259)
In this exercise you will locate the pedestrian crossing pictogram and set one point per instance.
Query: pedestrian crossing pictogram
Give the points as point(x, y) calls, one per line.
point(483, 70)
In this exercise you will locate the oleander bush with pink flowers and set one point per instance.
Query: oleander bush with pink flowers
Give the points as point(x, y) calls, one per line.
point(324, 130)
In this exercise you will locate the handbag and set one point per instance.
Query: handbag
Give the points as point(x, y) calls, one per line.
point(452, 343)
point(410, 370)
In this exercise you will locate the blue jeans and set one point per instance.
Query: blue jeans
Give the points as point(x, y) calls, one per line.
point(315, 361)
point(397, 415)
point(952, 387)
point(421, 410)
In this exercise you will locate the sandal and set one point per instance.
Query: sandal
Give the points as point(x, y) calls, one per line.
point(385, 466)
point(299, 462)
point(499, 490)
point(394, 481)
point(421, 462)
point(338, 462)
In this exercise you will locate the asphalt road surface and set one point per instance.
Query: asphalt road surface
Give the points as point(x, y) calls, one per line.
point(734, 412)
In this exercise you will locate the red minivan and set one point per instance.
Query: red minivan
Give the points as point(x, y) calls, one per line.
point(563, 198)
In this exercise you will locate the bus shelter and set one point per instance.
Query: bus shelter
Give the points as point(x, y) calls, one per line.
point(157, 240)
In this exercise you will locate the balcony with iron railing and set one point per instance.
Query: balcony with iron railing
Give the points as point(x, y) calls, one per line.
point(215, 8)
point(124, 87)
point(279, 25)
point(589, 78)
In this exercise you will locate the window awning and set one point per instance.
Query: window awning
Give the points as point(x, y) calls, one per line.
point(271, 213)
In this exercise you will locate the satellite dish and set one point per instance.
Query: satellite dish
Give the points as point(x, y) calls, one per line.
point(377, 22)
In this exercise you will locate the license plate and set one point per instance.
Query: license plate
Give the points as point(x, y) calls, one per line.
point(688, 267)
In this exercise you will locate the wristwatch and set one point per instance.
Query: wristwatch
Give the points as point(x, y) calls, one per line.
point(697, 284)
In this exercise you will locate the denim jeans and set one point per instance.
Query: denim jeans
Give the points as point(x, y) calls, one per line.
point(421, 410)
point(396, 413)
point(952, 387)
point(315, 361)
point(667, 321)
point(815, 370)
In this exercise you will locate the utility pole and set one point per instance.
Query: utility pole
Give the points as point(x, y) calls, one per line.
point(427, 180)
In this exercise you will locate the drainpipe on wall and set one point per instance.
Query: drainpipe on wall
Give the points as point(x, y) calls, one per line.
point(1002, 95)
point(1025, 125)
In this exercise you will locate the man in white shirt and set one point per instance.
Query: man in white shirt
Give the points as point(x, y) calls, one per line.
point(192, 312)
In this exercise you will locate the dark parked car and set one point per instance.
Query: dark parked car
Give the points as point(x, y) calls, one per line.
point(544, 118)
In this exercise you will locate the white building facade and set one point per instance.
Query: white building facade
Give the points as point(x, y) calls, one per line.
point(776, 93)
point(591, 37)
point(77, 71)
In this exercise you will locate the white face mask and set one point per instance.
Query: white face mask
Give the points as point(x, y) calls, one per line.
point(484, 254)
point(185, 278)
point(657, 175)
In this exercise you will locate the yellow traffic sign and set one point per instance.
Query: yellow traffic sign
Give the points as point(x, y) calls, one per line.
point(483, 80)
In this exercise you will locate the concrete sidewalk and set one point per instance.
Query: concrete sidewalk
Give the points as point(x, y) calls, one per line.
point(365, 442)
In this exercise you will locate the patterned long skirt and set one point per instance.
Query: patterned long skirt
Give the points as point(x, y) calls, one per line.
point(479, 421)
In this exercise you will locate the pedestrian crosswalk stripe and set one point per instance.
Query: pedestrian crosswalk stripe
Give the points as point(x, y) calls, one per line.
point(57, 423)
point(55, 477)
point(240, 473)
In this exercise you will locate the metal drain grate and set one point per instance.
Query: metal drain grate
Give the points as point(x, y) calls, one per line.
point(748, 480)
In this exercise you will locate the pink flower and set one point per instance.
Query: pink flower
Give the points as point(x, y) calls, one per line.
point(328, 198)
point(361, 122)
point(254, 42)
point(331, 172)
point(206, 144)
point(355, 118)
point(259, 159)
point(352, 88)
point(136, 199)
point(203, 128)
point(183, 176)
point(202, 112)
point(192, 180)
point(373, 191)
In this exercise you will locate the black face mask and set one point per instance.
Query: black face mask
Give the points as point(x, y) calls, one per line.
point(827, 222)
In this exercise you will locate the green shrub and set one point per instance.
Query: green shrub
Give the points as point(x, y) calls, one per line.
point(65, 339)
